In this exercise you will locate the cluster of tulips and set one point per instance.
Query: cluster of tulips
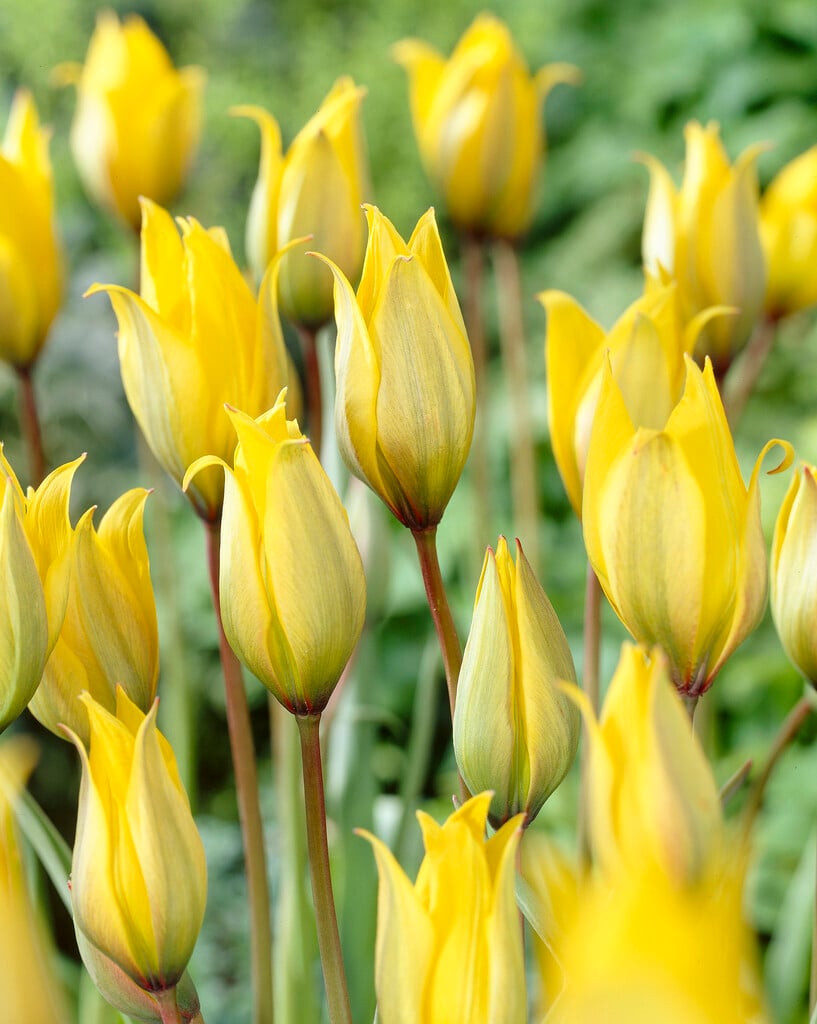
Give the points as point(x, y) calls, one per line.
point(642, 923)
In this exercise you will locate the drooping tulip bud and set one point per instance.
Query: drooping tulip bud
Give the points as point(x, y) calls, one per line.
point(515, 731)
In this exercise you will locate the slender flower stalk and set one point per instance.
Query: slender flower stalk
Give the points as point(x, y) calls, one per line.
point(168, 1007)
point(334, 974)
point(30, 425)
point(249, 810)
point(473, 258)
point(590, 685)
point(514, 356)
point(739, 383)
point(314, 394)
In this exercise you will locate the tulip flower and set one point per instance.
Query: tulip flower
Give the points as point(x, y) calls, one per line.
point(137, 122)
point(794, 572)
point(293, 595)
point(139, 878)
point(449, 947)
point(515, 731)
point(647, 345)
point(707, 236)
point(31, 991)
point(788, 228)
point(31, 273)
point(652, 797)
point(671, 530)
point(110, 635)
point(194, 339)
point(405, 401)
point(478, 122)
point(316, 189)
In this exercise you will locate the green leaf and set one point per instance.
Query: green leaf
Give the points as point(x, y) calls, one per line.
point(53, 852)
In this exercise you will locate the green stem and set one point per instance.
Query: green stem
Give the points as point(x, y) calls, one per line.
point(168, 1008)
point(590, 684)
point(740, 380)
point(314, 397)
point(734, 783)
point(515, 359)
point(249, 810)
point(30, 426)
point(334, 975)
point(473, 257)
point(812, 989)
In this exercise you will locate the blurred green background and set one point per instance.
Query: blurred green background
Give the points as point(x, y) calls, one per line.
point(648, 68)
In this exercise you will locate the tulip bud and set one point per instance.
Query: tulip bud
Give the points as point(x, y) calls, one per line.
point(707, 236)
point(794, 572)
point(647, 345)
point(137, 122)
point(788, 227)
point(449, 947)
point(405, 401)
point(515, 731)
point(195, 339)
point(31, 274)
point(671, 530)
point(316, 190)
point(478, 122)
point(293, 595)
point(110, 636)
point(139, 878)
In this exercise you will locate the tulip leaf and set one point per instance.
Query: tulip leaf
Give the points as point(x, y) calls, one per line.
point(531, 908)
point(52, 851)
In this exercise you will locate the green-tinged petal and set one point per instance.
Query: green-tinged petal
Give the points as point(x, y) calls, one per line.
point(384, 245)
point(659, 240)
point(262, 228)
point(426, 245)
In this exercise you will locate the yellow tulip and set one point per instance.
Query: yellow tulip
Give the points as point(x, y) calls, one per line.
point(316, 189)
point(194, 340)
point(652, 797)
point(478, 122)
point(138, 119)
point(794, 572)
point(293, 594)
point(31, 273)
point(515, 731)
point(788, 227)
point(671, 530)
point(449, 947)
point(707, 236)
point(405, 401)
point(139, 879)
point(31, 993)
point(647, 345)
point(110, 635)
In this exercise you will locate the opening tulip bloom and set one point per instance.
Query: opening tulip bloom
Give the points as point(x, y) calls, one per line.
point(31, 274)
point(137, 122)
point(139, 879)
point(317, 189)
point(405, 401)
point(194, 340)
point(293, 594)
point(449, 947)
point(671, 530)
point(707, 236)
point(478, 122)
point(515, 731)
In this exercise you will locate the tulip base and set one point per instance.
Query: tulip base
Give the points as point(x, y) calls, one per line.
point(168, 1008)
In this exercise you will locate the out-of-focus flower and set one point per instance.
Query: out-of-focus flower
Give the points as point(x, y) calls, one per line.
point(647, 345)
point(707, 236)
point(788, 227)
point(194, 340)
point(478, 122)
point(671, 530)
point(515, 731)
point(405, 402)
point(794, 572)
point(293, 594)
point(316, 189)
point(449, 947)
point(31, 273)
point(110, 635)
point(652, 797)
point(139, 879)
point(137, 122)
point(31, 993)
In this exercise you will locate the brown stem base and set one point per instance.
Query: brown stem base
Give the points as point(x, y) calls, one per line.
point(30, 426)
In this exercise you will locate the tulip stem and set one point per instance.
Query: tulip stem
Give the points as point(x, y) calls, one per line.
point(168, 1007)
point(334, 975)
point(30, 425)
point(740, 380)
point(473, 258)
point(249, 810)
point(314, 395)
point(590, 685)
point(515, 359)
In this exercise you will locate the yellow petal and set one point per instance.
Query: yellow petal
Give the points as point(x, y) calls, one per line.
point(262, 227)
